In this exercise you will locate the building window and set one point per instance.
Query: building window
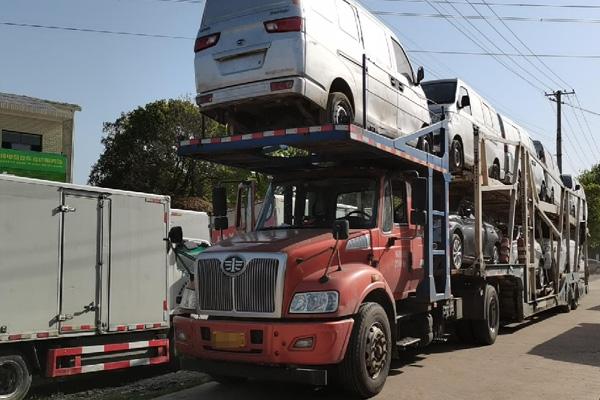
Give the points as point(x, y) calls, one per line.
point(21, 141)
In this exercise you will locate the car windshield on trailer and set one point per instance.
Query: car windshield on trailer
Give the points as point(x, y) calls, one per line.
point(440, 92)
point(316, 204)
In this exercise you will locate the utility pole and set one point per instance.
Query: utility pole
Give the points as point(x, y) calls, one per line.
point(557, 97)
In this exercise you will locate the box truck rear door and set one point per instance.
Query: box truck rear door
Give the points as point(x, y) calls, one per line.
point(80, 244)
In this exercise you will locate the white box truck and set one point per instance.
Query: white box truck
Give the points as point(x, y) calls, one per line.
point(85, 281)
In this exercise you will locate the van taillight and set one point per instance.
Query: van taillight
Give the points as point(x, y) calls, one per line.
point(293, 24)
point(204, 42)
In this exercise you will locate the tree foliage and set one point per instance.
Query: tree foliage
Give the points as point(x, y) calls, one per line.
point(140, 154)
point(591, 183)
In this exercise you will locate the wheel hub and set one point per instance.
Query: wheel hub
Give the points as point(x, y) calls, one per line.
point(457, 253)
point(492, 315)
point(376, 351)
point(340, 114)
point(9, 379)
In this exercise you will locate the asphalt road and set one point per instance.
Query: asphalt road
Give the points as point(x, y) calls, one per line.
point(555, 357)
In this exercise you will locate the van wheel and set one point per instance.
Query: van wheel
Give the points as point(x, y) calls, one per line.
point(543, 192)
point(424, 144)
point(495, 171)
point(15, 377)
point(486, 331)
point(457, 156)
point(366, 365)
point(339, 109)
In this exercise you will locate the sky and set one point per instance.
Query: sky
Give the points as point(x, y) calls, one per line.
point(110, 74)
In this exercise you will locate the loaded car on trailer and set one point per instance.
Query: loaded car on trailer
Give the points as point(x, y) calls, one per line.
point(280, 63)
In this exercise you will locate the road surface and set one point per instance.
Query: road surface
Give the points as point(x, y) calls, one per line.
point(554, 357)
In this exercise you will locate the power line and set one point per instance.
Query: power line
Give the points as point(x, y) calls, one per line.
point(531, 52)
point(456, 25)
point(89, 30)
point(477, 17)
point(586, 135)
point(538, 5)
point(513, 46)
point(582, 109)
point(474, 53)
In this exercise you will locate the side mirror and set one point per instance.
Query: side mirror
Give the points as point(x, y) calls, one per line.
point(465, 101)
point(419, 217)
point(176, 235)
point(577, 187)
point(221, 223)
point(420, 75)
point(419, 193)
point(341, 229)
point(219, 201)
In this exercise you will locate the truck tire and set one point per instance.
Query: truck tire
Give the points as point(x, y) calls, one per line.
point(486, 331)
point(339, 109)
point(15, 377)
point(365, 367)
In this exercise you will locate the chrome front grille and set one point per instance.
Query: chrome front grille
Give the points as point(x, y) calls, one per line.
point(216, 288)
point(256, 291)
point(255, 288)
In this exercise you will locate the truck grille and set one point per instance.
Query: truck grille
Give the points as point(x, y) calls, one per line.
point(253, 291)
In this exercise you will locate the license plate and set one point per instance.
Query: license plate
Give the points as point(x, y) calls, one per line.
point(228, 340)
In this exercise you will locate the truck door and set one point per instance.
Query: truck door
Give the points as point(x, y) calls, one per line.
point(401, 243)
point(81, 262)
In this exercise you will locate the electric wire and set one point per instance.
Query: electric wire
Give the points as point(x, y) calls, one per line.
point(474, 53)
point(531, 5)
point(477, 17)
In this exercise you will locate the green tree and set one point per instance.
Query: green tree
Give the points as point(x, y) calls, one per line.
point(591, 183)
point(140, 154)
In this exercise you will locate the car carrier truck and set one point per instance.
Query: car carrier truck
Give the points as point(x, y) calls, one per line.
point(349, 259)
point(88, 281)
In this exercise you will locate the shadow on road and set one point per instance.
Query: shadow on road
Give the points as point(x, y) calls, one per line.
point(597, 308)
point(579, 345)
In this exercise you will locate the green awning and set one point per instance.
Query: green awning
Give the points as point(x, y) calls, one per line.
point(32, 164)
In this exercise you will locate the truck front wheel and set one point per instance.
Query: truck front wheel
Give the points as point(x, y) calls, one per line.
point(366, 365)
point(15, 377)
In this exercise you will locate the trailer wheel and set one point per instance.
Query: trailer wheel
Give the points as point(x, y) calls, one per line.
point(15, 377)
point(339, 109)
point(366, 366)
point(486, 330)
point(575, 300)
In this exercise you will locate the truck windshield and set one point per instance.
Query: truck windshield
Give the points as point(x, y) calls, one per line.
point(316, 204)
point(440, 92)
point(216, 10)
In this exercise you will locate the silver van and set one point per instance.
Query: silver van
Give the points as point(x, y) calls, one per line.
point(288, 63)
point(463, 107)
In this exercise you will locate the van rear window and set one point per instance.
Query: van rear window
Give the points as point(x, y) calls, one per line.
point(440, 93)
point(215, 10)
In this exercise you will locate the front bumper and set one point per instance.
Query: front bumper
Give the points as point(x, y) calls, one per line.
point(269, 343)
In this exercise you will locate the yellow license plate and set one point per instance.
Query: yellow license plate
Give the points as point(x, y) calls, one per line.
point(228, 340)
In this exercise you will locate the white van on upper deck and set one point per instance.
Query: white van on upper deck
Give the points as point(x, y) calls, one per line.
point(266, 64)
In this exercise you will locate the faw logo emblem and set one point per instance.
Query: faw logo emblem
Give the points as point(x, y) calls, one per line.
point(233, 265)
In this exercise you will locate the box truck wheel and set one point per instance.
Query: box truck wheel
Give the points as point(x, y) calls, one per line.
point(367, 362)
point(15, 377)
point(339, 109)
point(486, 330)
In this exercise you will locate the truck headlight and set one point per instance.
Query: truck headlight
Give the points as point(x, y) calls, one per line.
point(315, 303)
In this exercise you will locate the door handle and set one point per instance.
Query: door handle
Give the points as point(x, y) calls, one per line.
point(393, 81)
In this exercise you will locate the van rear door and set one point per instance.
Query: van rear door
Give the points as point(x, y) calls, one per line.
point(243, 41)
